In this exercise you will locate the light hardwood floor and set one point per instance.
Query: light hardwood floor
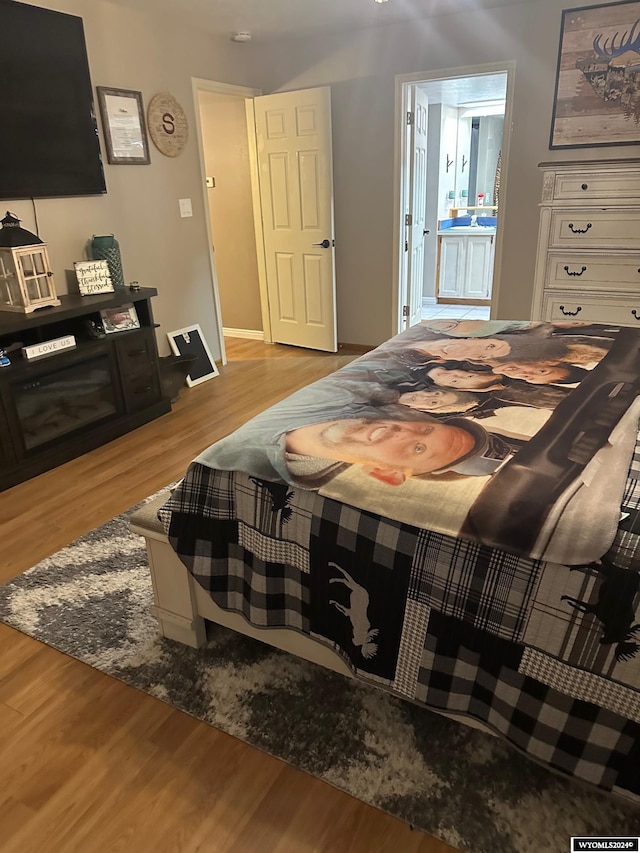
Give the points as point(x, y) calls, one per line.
point(90, 765)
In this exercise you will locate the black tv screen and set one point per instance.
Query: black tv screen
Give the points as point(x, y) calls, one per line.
point(48, 133)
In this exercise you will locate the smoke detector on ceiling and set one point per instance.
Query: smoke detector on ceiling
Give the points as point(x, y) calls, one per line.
point(241, 36)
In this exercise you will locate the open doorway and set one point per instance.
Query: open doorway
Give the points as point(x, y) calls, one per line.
point(452, 150)
point(226, 160)
point(266, 163)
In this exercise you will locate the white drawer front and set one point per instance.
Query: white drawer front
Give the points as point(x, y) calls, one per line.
point(596, 229)
point(591, 309)
point(585, 270)
point(612, 187)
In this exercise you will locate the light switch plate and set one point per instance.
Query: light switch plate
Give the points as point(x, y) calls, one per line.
point(185, 207)
point(211, 182)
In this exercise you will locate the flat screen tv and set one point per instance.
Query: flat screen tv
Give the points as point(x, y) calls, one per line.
point(48, 132)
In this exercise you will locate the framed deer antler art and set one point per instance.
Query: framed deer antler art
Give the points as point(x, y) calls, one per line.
point(597, 96)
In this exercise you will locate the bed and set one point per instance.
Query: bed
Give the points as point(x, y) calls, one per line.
point(453, 518)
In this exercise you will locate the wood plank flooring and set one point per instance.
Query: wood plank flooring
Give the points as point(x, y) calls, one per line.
point(90, 765)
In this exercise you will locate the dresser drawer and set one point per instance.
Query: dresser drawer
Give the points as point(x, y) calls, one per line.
point(587, 271)
point(591, 309)
point(596, 229)
point(618, 186)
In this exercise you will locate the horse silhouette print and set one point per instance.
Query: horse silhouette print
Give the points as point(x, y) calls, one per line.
point(614, 608)
point(357, 614)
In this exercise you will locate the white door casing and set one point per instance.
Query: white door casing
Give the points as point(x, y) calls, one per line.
point(293, 135)
point(417, 201)
point(404, 84)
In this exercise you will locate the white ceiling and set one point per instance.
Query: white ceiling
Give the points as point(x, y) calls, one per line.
point(467, 90)
point(267, 19)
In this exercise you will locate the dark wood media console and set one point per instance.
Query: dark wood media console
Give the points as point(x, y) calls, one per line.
point(60, 406)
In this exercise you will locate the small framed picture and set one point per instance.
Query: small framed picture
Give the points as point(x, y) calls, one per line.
point(125, 132)
point(191, 341)
point(93, 277)
point(120, 319)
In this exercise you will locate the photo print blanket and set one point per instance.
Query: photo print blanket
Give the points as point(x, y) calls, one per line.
point(509, 434)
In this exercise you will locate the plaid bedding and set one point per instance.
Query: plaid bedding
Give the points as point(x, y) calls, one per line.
point(546, 655)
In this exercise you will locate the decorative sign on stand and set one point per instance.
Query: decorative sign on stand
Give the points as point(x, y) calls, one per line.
point(93, 277)
point(46, 348)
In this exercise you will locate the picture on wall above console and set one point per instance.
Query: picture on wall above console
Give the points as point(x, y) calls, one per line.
point(597, 96)
point(120, 319)
point(123, 124)
point(93, 277)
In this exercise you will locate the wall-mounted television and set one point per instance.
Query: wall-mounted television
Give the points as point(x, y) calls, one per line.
point(48, 131)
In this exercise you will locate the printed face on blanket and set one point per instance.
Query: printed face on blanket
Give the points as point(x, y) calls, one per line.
point(394, 413)
point(392, 450)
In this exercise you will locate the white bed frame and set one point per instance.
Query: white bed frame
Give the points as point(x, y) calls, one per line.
point(183, 608)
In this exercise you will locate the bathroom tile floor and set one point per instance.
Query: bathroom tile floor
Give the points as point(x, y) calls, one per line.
point(467, 312)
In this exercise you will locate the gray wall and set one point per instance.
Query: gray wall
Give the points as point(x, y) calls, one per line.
point(361, 68)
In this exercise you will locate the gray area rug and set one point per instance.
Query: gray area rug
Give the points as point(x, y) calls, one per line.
point(91, 600)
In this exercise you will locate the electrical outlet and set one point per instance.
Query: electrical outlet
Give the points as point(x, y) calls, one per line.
point(185, 207)
point(211, 182)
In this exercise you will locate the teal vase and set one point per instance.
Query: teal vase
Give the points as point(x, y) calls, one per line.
point(106, 248)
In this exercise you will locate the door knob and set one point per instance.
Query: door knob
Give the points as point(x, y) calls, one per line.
point(324, 245)
point(425, 232)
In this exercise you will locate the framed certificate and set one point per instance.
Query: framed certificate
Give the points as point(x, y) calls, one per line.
point(125, 133)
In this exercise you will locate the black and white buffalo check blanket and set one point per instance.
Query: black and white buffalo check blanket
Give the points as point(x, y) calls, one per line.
point(546, 655)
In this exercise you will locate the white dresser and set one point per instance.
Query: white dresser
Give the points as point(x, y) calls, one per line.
point(588, 262)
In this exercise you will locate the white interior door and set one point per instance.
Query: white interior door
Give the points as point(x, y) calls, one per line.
point(293, 136)
point(417, 198)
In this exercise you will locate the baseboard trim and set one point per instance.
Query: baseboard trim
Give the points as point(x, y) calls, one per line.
point(429, 300)
point(250, 334)
point(355, 347)
point(454, 301)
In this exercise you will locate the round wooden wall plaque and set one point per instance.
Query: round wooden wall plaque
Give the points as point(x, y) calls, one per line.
point(167, 124)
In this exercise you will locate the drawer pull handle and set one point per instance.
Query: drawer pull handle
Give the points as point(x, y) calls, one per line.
point(570, 313)
point(580, 230)
point(132, 353)
point(585, 186)
point(566, 269)
point(635, 314)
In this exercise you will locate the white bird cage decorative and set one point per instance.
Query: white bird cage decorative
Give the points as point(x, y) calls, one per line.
point(26, 280)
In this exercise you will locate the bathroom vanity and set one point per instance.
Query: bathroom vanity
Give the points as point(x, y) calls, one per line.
point(465, 263)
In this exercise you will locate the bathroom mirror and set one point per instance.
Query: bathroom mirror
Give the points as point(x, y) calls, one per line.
point(480, 138)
